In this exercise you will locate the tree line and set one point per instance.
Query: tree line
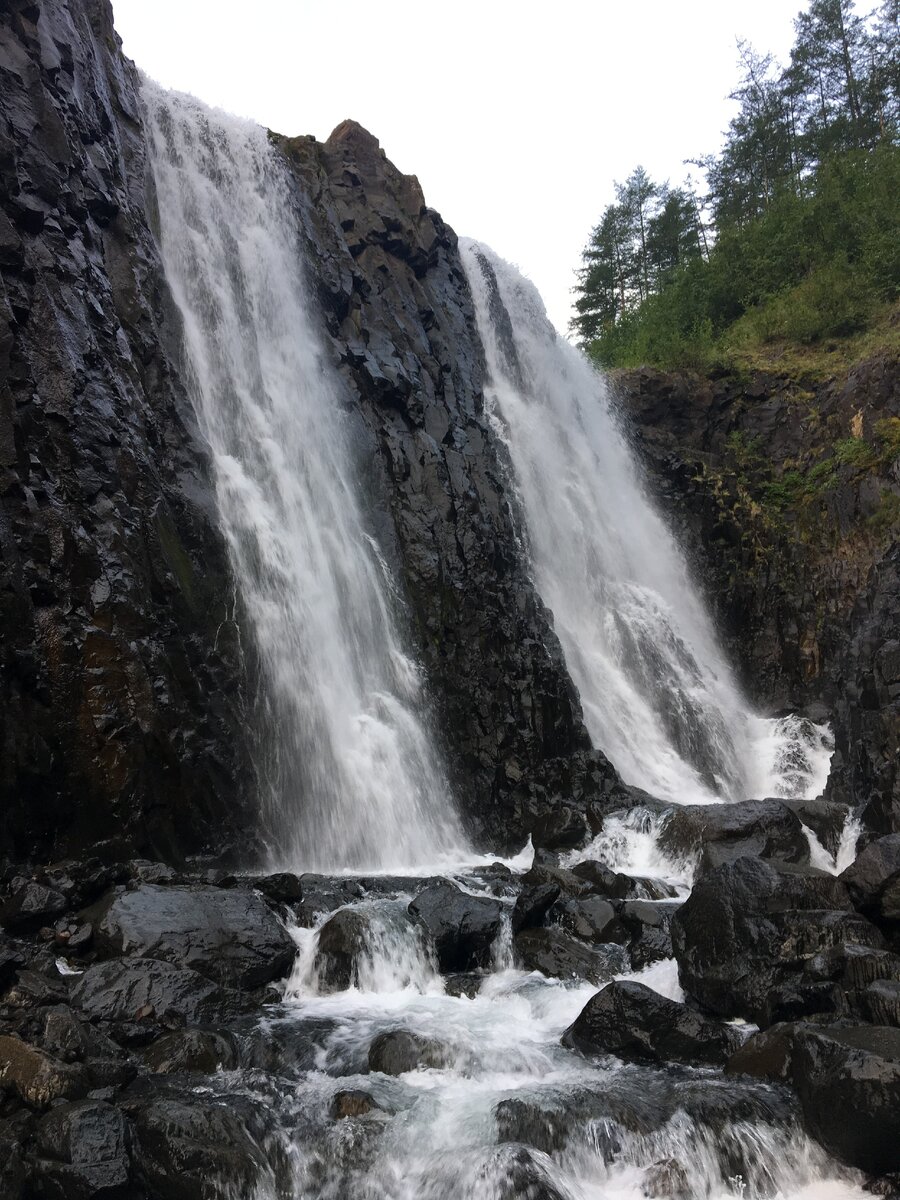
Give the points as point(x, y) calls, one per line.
point(807, 138)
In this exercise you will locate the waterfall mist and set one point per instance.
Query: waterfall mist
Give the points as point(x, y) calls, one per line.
point(353, 778)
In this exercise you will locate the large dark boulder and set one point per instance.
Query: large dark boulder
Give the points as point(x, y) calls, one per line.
point(84, 1153)
point(720, 833)
point(558, 955)
point(144, 988)
point(397, 1051)
point(746, 933)
point(230, 936)
point(343, 940)
point(462, 928)
point(201, 1050)
point(633, 1022)
point(848, 1081)
point(873, 880)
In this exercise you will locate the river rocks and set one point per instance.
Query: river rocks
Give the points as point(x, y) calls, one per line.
point(719, 833)
point(532, 904)
point(462, 928)
point(142, 989)
point(230, 936)
point(201, 1050)
point(38, 1077)
point(559, 956)
point(633, 1022)
point(30, 906)
point(590, 918)
point(195, 1146)
point(848, 1081)
point(84, 1152)
point(342, 939)
point(873, 880)
point(747, 931)
point(352, 1102)
point(398, 1051)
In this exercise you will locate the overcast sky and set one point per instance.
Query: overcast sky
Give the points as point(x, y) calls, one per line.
point(516, 117)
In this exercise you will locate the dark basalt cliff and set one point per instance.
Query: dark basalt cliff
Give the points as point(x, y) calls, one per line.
point(124, 682)
point(120, 662)
point(400, 315)
point(787, 492)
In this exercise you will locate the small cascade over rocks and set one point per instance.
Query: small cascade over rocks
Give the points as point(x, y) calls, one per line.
point(353, 777)
point(658, 696)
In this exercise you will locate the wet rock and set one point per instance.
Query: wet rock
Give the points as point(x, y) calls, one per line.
point(343, 939)
point(33, 989)
point(292, 1045)
point(648, 929)
point(562, 828)
point(283, 887)
point(201, 1050)
point(512, 1171)
point(353, 1102)
point(197, 1146)
point(467, 984)
point(229, 936)
point(38, 1077)
point(84, 1152)
point(720, 833)
point(602, 880)
point(848, 1081)
point(11, 959)
point(398, 1051)
point(72, 1040)
point(143, 988)
point(633, 1022)
point(462, 928)
point(13, 1170)
point(590, 918)
point(532, 905)
point(765, 1054)
point(880, 1002)
point(30, 906)
point(747, 931)
point(667, 1180)
point(825, 818)
point(873, 880)
point(559, 956)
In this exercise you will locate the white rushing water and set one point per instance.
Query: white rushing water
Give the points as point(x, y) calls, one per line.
point(353, 778)
point(658, 695)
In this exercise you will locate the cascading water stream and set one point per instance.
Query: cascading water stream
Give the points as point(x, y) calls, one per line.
point(658, 696)
point(343, 697)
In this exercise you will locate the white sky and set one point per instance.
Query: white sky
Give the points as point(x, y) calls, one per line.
point(516, 117)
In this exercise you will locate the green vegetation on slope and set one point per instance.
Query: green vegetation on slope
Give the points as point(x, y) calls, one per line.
point(800, 244)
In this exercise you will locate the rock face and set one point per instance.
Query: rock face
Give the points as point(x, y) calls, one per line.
point(119, 658)
point(786, 490)
point(397, 305)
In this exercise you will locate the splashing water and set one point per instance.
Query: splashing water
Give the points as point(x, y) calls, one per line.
point(658, 696)
point(343, 697)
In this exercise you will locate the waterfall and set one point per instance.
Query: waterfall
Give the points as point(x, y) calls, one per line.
point(657, 693)
point(353, 778)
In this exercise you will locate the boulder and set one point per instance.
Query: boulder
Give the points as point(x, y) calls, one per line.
point(648, 929)
point(72, 1040)
point(744, 936)
point(532, 905)
point(397, 1051)
point(720, 833)
point(462, 928)
point(559, 956)
point(230, 936)
point(32, 905)
point(194, 1145)
point(37, 1076)
point(848, 1082)
point(198, 1050)
point(633, 1022)
point(590, 918)
point(563, 828)
point(139, 988)
point(342, 939)
point(84, 1151)
point(766, 1054)
point(352, 1102)
point(873, 880)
